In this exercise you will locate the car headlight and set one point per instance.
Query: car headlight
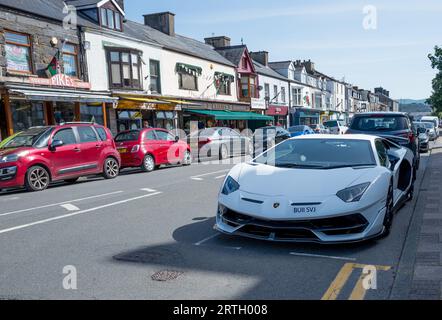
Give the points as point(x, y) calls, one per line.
point(353, 194)
point(230, 186)
point(9, 158)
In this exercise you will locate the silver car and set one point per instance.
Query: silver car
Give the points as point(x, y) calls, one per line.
point(219, 142)
point(432, 131)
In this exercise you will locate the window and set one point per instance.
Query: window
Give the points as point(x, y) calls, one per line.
point(267, 90)
point(66, 136)
point(87, 134)
point(90, 113)
point(125, 69)
point(223, 83)
point(150, 135)
point(283, 94)
point(101, 133)
point(275, 94)
point(26, 114)
point(164, 136)
point(188, 81)
point(18, 52)
point(248, 87)
point(382, 153)
point(244, 63)
point(155, 80)
point(297, 96)
point(70, 59)
point(110, 19)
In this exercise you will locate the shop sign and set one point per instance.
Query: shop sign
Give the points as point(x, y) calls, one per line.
point(60, 80)
point(223, 107)
point(277, 111)
point(258, 104)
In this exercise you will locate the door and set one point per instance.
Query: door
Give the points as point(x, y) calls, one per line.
point(91, 148)
point(152, 145)
point(168, 149)
point(65, 159)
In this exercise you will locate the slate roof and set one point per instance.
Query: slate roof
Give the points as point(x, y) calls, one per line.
point(267, 71)
point(233, 53)
point(280, 64)
point(53, 9)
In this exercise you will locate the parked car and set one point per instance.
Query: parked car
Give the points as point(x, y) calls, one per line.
point(151, 148)
point(432, 130)
point(38, 156)
point(336, 126)
point(434, 120)
point(301, 130)
point(219, 142)
point(319, 129)
point(267, 137)
point(396, 126)
point(281, 196)
point(424, 140)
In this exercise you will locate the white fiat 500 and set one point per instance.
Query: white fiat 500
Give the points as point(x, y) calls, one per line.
point(318, 188)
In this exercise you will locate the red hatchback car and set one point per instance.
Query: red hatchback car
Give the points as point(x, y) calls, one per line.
point(150, 148)
point(40, 155)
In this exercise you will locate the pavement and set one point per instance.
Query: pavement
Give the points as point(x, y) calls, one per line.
point(150, 236)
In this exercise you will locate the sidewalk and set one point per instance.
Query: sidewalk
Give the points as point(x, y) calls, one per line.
point(421, 263)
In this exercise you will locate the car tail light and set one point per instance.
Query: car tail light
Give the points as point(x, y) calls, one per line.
point(205, 141)
point(411, 137)
point(135, 148)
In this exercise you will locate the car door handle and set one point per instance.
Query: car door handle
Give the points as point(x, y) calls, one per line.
point(98, 146)
point(77, 149)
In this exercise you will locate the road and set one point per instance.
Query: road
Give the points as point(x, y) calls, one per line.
point(119, 233)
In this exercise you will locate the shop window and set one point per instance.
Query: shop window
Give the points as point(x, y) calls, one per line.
point(155, 80)
point(124, 69)
point(27, 114)
point(64, 112)
point(93, 114)
point(129, 120)
point(18, 52)
point(165, 120)
point(70, 59)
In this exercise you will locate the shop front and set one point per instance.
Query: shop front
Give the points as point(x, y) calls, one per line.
point(304, 116)
point(25, 106)
point(280, 115)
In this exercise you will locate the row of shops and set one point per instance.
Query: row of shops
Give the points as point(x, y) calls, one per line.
point(308, 116)
point(62, 99)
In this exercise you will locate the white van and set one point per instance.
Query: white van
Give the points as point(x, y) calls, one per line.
point(435, 120)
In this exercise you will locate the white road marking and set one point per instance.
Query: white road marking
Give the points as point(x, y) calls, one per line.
point(220, 177)
point(213, 236)
point(10, 199)
point(199, 177)
point(77, 213)
point(70, 207)
point(60, 203)
point(148, 190)
point(321, 256)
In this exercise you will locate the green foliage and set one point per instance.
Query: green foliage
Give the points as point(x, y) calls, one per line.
point(436, 63)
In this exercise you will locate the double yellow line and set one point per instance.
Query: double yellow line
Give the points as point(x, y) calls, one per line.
point(341, 279)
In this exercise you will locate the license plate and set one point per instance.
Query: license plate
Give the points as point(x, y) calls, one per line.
point(122, 150)
point(305, 210)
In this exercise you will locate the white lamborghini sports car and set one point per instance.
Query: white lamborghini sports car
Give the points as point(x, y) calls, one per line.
point(318, 188)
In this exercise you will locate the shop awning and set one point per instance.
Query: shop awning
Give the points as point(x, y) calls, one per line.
point(232, 115)
point(145, 100)
point(41, 95)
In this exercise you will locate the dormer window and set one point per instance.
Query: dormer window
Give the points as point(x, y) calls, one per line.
point(110, 19)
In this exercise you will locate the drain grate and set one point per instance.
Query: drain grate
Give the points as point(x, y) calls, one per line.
point(166, 275)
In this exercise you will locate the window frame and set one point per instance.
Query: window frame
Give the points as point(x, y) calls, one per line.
point(77, 139)
point(104, 19)
point(120, 52)
point(29, 46)
point(157, 77)
point(249, 86)
point(75, 55)
point(180, 81)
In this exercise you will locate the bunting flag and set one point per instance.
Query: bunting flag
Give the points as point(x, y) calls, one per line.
point(54, 66)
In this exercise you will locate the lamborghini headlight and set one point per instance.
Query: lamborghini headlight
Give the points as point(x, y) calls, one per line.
point(230, 186)
point(353, 194)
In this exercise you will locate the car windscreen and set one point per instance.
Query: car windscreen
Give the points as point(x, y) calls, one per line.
point(428, 125)
point(27, 138)
point(319, 154)
point(128, 136)
point(379, 123)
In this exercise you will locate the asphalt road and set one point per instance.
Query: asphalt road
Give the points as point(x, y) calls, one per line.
point(119, 233)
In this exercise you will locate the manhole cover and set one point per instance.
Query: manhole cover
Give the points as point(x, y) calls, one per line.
point(166, 275)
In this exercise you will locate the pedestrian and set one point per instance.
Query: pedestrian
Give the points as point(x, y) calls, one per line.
point(146, 124)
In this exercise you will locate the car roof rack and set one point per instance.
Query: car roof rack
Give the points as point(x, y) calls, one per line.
point(76, 122)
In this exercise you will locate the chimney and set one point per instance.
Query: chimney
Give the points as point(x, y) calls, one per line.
point(218, 42)
point(163, 21)
point(310, 66)
point(261, 56)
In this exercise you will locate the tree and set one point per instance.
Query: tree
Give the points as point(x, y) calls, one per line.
point(436, 63)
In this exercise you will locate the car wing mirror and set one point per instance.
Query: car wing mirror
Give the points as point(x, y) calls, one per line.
point(55, 144)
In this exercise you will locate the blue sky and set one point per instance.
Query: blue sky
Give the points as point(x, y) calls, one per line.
point(330, 33)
